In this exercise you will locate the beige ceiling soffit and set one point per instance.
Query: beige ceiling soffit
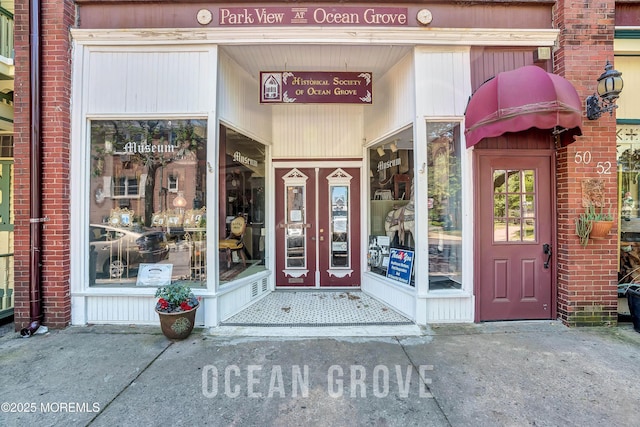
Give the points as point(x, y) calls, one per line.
point(240, 36)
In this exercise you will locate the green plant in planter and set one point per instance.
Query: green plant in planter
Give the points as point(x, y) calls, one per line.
point(176, 308)
point(175, 298)
point(598, 215)
point(584, 223)
point(583, 228)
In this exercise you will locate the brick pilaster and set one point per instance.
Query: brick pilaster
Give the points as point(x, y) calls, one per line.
point(587, 277)
point(57, 17)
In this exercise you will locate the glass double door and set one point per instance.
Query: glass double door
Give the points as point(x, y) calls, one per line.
point(317, 227)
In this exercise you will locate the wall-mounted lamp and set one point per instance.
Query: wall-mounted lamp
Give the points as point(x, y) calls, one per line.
point(380, 151)
point(393, 146)
point(180, 202)
point(609, 87)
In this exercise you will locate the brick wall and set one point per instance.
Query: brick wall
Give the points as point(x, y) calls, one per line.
point(587, 277)
point(57, 16)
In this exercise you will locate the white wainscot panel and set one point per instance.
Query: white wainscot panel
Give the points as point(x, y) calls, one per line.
point(240, 297)
point(449, 309)
point(400, 297)
point(137, 310)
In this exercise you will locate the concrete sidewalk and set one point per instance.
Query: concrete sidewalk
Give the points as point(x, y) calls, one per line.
point(497, 374)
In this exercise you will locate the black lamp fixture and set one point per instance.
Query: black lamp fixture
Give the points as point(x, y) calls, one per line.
point(609, 87)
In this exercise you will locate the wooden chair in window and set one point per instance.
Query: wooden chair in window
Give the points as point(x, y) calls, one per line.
point(234, 242)
point(401, 187)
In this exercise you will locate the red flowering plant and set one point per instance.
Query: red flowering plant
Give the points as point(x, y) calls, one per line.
point(174, 298)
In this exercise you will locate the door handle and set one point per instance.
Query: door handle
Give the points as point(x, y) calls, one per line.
point(546, 249)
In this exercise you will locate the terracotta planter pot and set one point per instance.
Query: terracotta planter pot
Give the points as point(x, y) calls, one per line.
point(600, 229)
point(177, 326)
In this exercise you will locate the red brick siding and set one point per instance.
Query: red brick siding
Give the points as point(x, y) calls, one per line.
point(57, 16)
point(587, 277)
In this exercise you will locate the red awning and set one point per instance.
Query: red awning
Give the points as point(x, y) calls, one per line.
point(520, 99)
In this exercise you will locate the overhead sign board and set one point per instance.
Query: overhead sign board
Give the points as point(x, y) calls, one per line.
point(312, 15)
point(315, 87)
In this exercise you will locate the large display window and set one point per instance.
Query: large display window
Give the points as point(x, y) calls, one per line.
point(392, 208)
point(147, 206)
point(444, 202)
point(241, 205)
point(628, 201)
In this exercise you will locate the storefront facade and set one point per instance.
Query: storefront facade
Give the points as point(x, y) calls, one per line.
point(627, 49)
point(331, 137)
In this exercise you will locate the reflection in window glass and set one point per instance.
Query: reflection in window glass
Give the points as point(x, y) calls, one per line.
point(242, 206)
point(628, 146)
point(445, 204)
point(134, 220)
point(296, 235)
point(339, 226)
point(391, 204)
point(514, 207)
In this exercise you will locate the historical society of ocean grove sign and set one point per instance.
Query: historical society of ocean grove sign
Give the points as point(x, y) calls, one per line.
point(315, 87)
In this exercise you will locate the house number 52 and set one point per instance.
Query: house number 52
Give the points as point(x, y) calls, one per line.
point(584, 157)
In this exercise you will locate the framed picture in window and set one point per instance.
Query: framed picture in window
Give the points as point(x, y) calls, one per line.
point(174, 219)
point(121, 217)
point(193, 218)
point(158, 219)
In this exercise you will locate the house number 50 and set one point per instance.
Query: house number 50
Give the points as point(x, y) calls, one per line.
point(584, 157)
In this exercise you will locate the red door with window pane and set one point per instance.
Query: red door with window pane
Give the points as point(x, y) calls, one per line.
point(317, 227)
point(515, 231)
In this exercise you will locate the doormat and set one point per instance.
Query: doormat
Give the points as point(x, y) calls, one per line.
point(310, 308)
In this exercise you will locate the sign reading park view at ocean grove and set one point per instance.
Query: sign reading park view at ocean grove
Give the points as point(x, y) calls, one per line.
point(311, 15)
point(315, 87)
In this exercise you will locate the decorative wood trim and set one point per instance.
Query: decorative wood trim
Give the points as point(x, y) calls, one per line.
point(369, 36)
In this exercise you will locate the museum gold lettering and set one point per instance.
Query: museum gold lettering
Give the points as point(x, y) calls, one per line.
point(240, 158)
point(388, 164)
point(134, 147)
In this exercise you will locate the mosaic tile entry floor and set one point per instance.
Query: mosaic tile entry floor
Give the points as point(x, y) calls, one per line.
point(317, 308)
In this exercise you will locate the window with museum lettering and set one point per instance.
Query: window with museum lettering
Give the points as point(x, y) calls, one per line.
point(141, 223)
point(241, 192)
point(391, 204)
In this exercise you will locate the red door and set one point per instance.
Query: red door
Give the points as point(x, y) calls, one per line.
point(515, 236)
point(317, 227)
